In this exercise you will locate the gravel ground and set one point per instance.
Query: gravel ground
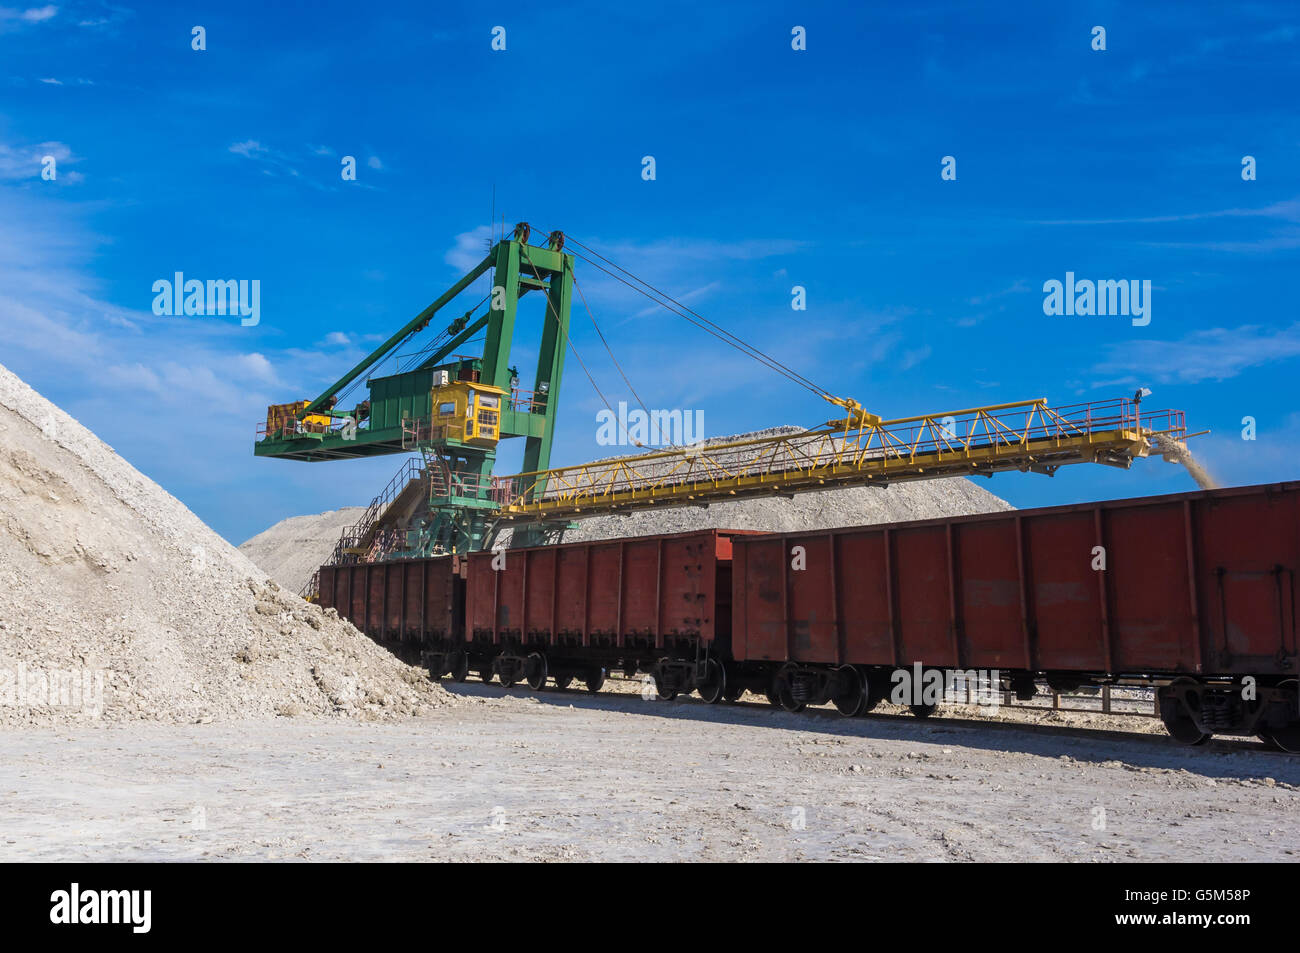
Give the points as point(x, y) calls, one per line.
point(559, 776)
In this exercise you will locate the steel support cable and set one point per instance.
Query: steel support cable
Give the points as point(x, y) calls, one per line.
point(433, 345)
point(610, 352)
point(391, 355)
point(445, 332)
point(693, 317)
point(700, 321)
point(437, 341)
point(752, 353)
point(569, 341)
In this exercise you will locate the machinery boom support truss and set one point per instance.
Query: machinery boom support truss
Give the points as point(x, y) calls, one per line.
point(1026, 436)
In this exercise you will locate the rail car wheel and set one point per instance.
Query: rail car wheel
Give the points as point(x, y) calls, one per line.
point(851, 698)
point(485, 673)
point(714, 686)
point(1287, 738)
point(661, 687)
point(535, 671)
point(874, 695)
point(1179, 701)
point(459, 667)
point(595, 680)
point(562, 682)
point(924, 711)
point(783, 691)
point(732, 692)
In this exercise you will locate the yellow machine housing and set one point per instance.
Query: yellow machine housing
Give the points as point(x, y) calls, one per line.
point(280, 416)
point(468, 413)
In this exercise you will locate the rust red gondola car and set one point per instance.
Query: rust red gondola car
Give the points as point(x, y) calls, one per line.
point(576, 610)
point(1194, 594)
point(408, 606)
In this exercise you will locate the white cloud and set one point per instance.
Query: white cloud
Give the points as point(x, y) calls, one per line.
point(29, 15)
point(914, 357)
point(249, 149)
point(694, 295)
point(337, 339)
point(52, 315)
point(25, 162)
point(258, 367)
point(273, 162)
point(1216, 354)
point(1286, 211)
point(374, 163)
point(470, 248)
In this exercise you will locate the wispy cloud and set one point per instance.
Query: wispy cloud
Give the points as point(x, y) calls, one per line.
point(102, 16)
point(277, 163)
point(55, 81)
point(1285, 211)
point(693, 295)
point(1283, 240)
point(26, 162)
point(52, 314)
point(1216, 354)
point(470, 248)
point(17, 15)
point(249, 149)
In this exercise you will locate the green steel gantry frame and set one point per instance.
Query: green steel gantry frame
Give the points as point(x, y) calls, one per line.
point(401, 417)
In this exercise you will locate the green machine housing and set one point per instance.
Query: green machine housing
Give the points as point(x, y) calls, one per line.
point(449, 408)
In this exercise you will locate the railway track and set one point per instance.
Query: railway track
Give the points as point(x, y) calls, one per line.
point(1159, 742)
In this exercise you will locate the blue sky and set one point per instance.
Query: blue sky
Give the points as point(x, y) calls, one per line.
point(819, 168)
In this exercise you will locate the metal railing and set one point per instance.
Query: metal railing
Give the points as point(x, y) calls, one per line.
point(1024, 435)
point(292, 427)
point(356, 536)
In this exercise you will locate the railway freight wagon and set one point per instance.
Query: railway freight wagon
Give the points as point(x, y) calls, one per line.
point(578, 610)
point(1194, 593)
point(408, 606)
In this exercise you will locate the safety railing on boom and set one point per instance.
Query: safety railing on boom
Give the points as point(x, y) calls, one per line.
point(1028, 435)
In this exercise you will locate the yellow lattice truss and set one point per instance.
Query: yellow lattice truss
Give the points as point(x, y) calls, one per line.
point(860, 450)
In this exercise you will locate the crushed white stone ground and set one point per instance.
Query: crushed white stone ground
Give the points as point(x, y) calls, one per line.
point(107, 580)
